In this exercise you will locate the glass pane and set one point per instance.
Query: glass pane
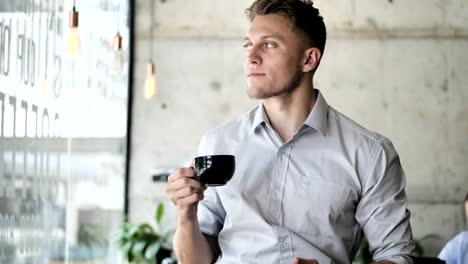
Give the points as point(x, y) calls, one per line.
point(63, 112)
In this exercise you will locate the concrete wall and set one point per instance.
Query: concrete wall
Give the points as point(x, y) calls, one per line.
point(397, 67)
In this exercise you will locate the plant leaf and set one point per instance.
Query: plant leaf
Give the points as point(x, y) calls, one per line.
point(159, 213)
point(133, 231)
point(152, 250)
point(138, 248)
point(145, 227)
point(127, 251)
point(149, 237)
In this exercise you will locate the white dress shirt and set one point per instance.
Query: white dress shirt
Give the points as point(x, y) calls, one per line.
point(313, 196)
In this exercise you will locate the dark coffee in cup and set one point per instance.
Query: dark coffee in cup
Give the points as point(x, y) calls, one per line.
point(214, 170)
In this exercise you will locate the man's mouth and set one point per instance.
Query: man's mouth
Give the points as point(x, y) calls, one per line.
point(255, 74)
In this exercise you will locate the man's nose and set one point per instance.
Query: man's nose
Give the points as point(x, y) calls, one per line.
point(253, 56)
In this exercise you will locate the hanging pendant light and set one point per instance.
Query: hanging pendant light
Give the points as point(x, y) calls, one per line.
point(150, 88)
point(117, 51)
point(73, 45)
point(117, 43)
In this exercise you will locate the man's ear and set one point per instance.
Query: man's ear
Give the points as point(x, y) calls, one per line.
point(311, 59)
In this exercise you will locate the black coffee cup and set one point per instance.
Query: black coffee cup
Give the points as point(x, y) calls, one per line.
point(214, 170)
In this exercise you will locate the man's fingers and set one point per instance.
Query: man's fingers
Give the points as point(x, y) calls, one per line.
point(191, 199)
point(185, 192)
point(180, 183)
point(181, 173)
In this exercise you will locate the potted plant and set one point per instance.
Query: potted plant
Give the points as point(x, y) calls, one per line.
point(141, 243)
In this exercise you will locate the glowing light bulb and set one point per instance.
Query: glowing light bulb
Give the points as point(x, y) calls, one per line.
point(150, 87)
point(150, 83)
point(44, 87)
point(73, 46)
point(118, 61)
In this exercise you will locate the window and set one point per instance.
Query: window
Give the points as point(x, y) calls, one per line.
point(63, 128)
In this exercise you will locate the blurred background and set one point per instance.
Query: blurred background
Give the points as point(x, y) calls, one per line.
point(92, 112)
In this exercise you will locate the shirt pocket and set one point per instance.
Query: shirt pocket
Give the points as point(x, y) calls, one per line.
point(316, 207)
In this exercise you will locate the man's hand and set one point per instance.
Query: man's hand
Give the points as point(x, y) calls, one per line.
point(190, 245)
point(185, 193)
point(304, 261)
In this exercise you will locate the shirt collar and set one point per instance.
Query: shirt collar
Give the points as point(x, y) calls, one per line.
point(317, 118)
point(259, 118)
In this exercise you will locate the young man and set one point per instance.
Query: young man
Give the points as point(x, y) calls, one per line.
point(309, 182)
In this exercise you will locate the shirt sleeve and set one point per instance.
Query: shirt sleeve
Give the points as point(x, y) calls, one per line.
point(211, 213)
point(456, 250)
point(382, 210)
point(448, 252)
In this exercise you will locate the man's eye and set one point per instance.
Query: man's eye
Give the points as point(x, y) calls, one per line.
point(268, 45)
point(247, 46)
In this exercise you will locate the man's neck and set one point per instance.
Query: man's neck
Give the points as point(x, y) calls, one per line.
point(288, 112)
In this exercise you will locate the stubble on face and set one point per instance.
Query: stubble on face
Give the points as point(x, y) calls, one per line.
point(262, 92)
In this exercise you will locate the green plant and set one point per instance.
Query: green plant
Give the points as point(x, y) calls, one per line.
point(141, 243)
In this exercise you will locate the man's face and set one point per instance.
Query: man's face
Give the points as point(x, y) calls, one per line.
point(274, 57)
